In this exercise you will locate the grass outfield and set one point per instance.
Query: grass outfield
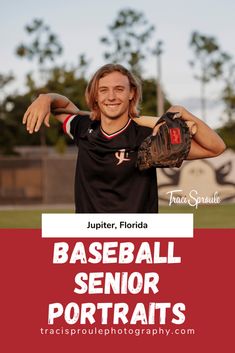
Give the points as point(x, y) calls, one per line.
point(216, 216)
point(25, 218)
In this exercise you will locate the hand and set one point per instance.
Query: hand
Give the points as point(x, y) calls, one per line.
point(183, 114)
point(174, 109)
point(37, 113)
point(156, 128)
point(179, 110)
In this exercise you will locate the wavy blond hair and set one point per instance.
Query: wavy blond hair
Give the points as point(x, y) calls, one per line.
point(92, 90)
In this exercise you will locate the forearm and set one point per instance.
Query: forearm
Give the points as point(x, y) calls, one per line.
point(46, 104)
point(61, 104)
point(149, 121)
point(205, 142)
point(205, 137)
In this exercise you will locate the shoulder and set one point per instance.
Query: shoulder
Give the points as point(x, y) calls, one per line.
point(75, 117)
point(145, 130)
point(75, 124)
point(139, 133)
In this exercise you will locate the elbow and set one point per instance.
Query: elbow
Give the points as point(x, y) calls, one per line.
point(219, 149)
point(223, 147)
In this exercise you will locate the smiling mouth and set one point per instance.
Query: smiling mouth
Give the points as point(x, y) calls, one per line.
point(112, 105)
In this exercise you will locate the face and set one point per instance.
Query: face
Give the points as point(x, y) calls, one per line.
point(114, 95)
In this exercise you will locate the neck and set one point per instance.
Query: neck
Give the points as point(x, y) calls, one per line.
point(112, 125)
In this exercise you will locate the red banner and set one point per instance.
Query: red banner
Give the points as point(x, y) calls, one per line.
point(155, 303)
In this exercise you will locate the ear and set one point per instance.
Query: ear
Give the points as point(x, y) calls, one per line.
point(131, 95)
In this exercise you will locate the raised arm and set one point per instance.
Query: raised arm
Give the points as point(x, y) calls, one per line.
point(206, 142)
point(46, 104)
point(149, 121)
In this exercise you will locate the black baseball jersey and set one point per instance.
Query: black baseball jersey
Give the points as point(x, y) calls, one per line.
point(107, 179)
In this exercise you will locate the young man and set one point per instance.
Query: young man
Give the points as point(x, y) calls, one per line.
point(107, 179)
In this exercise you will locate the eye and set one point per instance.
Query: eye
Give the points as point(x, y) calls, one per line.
point(119, 89)
point(103, 90)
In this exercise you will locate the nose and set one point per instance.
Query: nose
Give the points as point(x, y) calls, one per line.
point(111, 95)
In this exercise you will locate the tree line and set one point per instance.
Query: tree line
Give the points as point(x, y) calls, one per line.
point(127, 42)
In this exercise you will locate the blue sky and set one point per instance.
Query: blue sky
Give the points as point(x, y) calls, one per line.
point(80, 24)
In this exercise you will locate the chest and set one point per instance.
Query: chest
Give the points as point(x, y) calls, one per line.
point(106, 161)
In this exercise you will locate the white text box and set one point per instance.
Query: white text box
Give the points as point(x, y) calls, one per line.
point(119, 225)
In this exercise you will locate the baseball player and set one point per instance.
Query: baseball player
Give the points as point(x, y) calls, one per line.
point(107, 179)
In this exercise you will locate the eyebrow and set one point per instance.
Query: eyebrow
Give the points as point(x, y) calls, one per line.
point(118, 86)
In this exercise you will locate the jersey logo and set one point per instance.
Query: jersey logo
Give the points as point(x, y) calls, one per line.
point(122, 155)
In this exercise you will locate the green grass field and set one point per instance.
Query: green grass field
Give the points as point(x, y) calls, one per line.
point(219, 216)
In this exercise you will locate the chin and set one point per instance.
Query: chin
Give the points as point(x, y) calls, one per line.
point(112, 115)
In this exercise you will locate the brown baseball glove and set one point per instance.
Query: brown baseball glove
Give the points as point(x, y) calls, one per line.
point(169, 147)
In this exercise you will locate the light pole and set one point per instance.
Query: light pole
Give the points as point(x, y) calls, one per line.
point(160, 99)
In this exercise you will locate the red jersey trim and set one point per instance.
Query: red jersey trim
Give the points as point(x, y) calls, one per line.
point(110, 136)
point(66, 125)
